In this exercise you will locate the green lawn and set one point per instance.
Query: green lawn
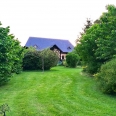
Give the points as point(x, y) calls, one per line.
point(58, 92)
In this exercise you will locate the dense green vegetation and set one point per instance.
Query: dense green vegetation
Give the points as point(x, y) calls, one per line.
point(97, 44)
point(107, 77)
point(61, 91)
point(72, 59)
point(38, 60)
point(58, 92)
point(11, 54)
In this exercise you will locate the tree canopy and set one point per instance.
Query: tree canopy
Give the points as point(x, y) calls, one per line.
point(97, 44)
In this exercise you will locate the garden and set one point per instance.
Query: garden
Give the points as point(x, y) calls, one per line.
point(61, 91)
point(33, 84)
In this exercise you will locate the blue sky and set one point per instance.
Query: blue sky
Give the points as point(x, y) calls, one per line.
point(60, 19)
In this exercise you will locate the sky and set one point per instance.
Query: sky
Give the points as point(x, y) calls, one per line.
point(57, 19)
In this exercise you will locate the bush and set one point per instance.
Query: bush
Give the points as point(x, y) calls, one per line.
point(91, 67)
point(72, 59)
point(18, 61)
point(31, 60)
point(48, 59)
point(107, 77)
point(34, 60)
point(11, 54)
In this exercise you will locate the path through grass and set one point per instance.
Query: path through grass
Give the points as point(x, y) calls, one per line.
point(58, 92)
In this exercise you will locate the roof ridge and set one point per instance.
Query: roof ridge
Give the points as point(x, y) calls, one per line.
point(48, 38)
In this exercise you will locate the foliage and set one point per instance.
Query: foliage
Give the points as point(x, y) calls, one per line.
point(97, 45)
point(72, 59)
point(10, 55)
point(29, 49)
point(65, 63)
point(107, 77)
point(3, 109)
point(35, 60)
point(48, 59)
point(19, 54)
point(31, 60)
point(86, 27)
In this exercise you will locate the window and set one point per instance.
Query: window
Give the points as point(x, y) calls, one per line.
point(62, 57)
point(69, 48)
point(35, 46)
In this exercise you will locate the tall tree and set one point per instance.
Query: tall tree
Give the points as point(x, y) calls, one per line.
point(97, 45)
point(86, 26)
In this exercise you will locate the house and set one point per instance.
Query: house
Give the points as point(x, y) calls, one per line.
point(62, 47)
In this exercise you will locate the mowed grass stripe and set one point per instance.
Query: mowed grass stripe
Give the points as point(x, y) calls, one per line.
point(58, 92)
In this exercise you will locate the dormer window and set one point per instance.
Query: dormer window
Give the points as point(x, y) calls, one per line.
point(35, 46)
point(69, 48)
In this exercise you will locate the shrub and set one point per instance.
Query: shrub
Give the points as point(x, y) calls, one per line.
point(72, 59)
point(49, 59)
point(10, 55)
point(91, 67)
point(34, 60)
point(3, 109)
point(18, 61)
point(31, 60)
point(107, 77)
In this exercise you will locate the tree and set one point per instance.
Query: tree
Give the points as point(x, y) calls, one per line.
point(48, 59)
point(10, 54)
point(86, 26)
point(72, 59)
point(98, 44)
point(39, 60)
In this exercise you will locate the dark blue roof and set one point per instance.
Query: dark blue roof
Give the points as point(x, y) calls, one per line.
point(43, 43)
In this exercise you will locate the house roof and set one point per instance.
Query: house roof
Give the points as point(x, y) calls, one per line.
point(43, 43)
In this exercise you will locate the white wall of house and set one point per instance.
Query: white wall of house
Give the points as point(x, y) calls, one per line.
point(63, 56)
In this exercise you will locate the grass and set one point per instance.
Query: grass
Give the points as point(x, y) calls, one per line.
point(58, 92)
